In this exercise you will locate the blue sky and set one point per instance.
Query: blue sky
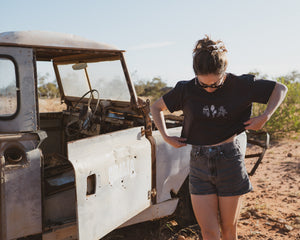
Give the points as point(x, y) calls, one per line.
point(159, 36)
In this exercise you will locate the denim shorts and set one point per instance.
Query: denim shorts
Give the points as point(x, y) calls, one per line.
point(220, 169)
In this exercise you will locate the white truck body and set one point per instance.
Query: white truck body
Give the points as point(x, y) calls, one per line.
point(91, 168)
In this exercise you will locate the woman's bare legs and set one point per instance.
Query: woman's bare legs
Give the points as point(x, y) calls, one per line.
point(206, 209)
point(206, 212)
point(229, 212)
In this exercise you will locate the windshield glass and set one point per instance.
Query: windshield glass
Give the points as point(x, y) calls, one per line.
point(106, 77)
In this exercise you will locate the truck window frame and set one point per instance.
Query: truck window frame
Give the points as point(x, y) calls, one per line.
point(12, 116)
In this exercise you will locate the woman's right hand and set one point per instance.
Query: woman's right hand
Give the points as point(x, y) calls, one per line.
point(175, 142)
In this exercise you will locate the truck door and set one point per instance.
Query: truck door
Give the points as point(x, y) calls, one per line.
point(18, 112)
point(20, 159)
point(113, 180)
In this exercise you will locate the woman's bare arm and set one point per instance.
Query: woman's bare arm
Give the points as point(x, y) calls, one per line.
point(275, 100)
point(157, 109)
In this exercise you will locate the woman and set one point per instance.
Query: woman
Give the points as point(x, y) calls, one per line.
point(217, 109)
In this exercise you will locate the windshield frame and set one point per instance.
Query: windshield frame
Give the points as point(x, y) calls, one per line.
point(94, 59)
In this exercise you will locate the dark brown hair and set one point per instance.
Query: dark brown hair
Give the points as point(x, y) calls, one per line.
point(209, 57)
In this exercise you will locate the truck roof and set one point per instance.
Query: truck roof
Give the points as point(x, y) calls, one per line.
point(50, 45)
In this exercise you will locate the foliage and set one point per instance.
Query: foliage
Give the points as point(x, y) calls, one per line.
point(286, 119)
point(154, 88)
point(46, 88)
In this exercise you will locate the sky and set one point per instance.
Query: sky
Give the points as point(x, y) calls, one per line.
point(159, 35)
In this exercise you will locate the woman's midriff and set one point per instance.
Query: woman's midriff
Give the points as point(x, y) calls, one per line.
point(231, 139)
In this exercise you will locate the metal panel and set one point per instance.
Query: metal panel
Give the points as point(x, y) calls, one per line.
point(154, 212)
point(172, 168)
point(22, 203)
point(51, 39)
point(26, 119)
point(121, 162)
point(172, 165)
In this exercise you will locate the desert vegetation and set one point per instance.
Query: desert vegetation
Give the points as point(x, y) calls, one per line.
point(285, 122)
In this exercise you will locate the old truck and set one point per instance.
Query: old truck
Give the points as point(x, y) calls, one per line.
point(97, 165)
point(84, 171)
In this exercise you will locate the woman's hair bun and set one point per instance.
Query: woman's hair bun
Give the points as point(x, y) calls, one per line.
point(209, 57)
point(206, 44)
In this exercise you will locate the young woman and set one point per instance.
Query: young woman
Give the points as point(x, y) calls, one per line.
point(217, 109)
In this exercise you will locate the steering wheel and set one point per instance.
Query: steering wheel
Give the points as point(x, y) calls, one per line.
point(86, 115)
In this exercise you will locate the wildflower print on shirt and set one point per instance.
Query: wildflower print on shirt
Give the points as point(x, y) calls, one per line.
point(212, 111)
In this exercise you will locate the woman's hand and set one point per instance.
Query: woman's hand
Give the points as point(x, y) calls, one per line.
point(275, 100)
point(175, 142)
point(256, 123)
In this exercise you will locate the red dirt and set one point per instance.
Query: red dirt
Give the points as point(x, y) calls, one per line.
point(272, 210)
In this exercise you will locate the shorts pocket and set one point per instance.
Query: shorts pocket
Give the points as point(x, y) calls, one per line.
point(197, 158)
point(231, 152)
point(195, 153)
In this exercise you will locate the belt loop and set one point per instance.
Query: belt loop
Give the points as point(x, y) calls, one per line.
point(200, 150)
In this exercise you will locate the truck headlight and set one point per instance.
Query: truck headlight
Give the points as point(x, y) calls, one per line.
point(14, 155)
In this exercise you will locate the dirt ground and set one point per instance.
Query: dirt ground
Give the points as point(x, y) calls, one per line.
point(271, 211)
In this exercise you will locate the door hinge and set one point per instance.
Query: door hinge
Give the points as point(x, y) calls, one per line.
point(152, 193)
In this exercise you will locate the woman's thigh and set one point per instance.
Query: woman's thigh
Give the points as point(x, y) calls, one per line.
point(229, 211)
point(206, 212)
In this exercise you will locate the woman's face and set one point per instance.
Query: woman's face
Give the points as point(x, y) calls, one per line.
point(211, 82)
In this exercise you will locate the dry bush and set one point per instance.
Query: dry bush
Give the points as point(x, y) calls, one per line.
point(51, 105)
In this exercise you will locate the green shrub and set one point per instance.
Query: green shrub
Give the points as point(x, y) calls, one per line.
point(47, 89)
point(153, 89)
point(286, 120)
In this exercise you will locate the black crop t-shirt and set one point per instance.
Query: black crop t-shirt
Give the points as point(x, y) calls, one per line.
point(210, 118)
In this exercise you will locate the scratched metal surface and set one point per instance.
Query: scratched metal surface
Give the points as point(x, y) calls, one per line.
point(26, 118)
point(121, 162)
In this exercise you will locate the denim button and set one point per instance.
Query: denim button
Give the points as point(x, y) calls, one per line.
point(197, 153)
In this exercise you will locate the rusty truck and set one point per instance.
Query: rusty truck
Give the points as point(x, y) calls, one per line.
point(95, 166)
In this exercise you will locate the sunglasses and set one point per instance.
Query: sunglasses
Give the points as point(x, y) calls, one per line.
point(217, 84)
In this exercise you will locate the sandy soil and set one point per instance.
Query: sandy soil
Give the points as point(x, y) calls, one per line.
point(272, 210)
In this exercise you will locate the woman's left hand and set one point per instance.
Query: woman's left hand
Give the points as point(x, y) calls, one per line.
point(256, 123)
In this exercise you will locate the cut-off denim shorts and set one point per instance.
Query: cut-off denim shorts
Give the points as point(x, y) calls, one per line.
point(219, 169)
